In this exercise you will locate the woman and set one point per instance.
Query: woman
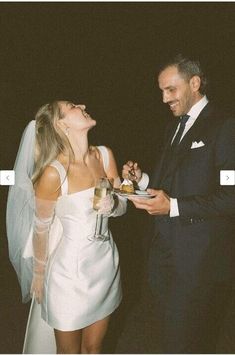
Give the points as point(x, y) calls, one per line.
point(77, 282)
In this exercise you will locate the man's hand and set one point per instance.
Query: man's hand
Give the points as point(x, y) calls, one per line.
point(131, 171)
point(159, 204)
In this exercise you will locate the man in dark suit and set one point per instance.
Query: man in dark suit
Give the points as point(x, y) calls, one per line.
point(191, 253)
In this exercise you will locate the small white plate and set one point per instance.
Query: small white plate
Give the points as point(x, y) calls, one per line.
point(142, 192)
point(143, 195)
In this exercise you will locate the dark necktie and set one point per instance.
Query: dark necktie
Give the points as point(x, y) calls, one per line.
point(176, 140)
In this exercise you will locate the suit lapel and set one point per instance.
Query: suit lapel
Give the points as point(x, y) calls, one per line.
point(161, 166)
point(197, 133)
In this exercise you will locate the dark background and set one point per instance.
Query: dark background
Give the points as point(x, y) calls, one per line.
point(105, 55)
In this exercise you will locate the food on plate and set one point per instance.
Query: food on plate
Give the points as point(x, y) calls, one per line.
point(127, 186)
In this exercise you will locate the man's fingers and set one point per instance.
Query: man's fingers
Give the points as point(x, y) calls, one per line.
point(126, 167)
point(130, 163)
point(136, 166)
point(153, 192)
point(140, 206)
point(125, 170)
point(140, 203)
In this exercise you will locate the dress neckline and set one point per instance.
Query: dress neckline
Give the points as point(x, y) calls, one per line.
point(77, 192)
point(65, 179)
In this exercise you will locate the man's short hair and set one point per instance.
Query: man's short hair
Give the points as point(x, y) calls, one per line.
point(188, 68)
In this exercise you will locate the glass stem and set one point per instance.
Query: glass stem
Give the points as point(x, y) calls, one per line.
point(98, 225)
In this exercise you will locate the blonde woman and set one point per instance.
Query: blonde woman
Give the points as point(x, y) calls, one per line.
point(77, 281)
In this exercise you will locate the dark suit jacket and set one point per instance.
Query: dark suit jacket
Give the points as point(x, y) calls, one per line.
point(202, 238)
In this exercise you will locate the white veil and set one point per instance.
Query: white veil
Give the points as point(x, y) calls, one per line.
point(20, 210)
point(39, 337)
point(20, 214)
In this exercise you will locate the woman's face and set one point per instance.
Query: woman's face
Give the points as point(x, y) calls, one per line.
point(75, 116)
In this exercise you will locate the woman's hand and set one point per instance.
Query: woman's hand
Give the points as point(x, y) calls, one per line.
point(106, 205)
point(38, 279)
point(37, 287)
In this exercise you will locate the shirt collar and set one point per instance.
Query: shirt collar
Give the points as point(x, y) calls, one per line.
point(198, 107)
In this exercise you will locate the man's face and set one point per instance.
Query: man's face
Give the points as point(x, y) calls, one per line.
point(177, 92)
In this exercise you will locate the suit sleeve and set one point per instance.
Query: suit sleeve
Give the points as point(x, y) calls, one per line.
point(222, 201)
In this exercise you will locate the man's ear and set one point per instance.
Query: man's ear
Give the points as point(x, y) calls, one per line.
point(195, 83)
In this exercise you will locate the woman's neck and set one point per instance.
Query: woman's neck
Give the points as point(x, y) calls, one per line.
point(80, 147)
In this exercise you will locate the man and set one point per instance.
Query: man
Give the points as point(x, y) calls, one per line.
point(190, 259)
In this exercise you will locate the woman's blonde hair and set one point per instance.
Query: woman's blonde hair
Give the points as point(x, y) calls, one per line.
point(50, 139)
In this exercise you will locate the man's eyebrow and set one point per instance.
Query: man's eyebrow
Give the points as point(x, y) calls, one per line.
point(168, 87)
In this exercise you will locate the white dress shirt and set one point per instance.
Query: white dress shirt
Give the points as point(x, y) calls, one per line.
point(193, 115)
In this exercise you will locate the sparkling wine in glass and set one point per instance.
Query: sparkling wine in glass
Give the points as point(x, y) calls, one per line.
point(103, 188)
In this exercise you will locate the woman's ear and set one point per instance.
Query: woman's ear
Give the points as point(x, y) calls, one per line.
point(61, 125)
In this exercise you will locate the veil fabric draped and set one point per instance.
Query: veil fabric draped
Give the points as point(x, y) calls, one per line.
point(20, 214)
point(20, 211)
point(39, 337)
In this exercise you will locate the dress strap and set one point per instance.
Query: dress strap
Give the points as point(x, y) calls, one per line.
point(105, 156)
point(63, 176)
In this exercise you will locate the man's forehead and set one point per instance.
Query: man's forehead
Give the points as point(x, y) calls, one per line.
point(169, 77)
point(172, 70)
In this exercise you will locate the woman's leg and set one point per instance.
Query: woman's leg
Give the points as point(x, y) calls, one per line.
point(68, 342)
point(93, 335)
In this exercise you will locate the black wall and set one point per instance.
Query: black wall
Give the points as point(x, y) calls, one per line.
point(105, 55)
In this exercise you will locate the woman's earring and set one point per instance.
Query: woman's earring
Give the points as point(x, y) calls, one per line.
point(67, 131)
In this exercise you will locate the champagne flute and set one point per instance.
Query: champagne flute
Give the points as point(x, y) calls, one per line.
point(103, 188)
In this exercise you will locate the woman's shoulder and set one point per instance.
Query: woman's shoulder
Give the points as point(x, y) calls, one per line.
point(48, 184)
point(50, 174)
point(99, 149)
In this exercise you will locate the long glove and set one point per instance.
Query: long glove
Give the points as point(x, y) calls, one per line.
point(44, 214)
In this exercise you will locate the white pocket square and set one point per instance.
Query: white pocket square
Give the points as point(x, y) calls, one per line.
point(197, 144)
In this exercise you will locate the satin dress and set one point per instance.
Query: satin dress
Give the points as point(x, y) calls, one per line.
point(82, 283)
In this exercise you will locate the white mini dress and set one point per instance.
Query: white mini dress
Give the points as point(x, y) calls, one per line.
point(82, 282)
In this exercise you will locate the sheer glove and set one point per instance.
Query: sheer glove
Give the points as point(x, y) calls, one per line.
point(38, 279)
point(106, 205)
point(43, 218)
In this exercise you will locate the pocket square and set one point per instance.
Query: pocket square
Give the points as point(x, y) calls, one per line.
point(197, 144)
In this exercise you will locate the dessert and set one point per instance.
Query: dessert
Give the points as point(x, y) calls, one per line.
point(127, 186)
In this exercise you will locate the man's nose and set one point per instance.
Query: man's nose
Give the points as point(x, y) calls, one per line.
point(165, 97)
